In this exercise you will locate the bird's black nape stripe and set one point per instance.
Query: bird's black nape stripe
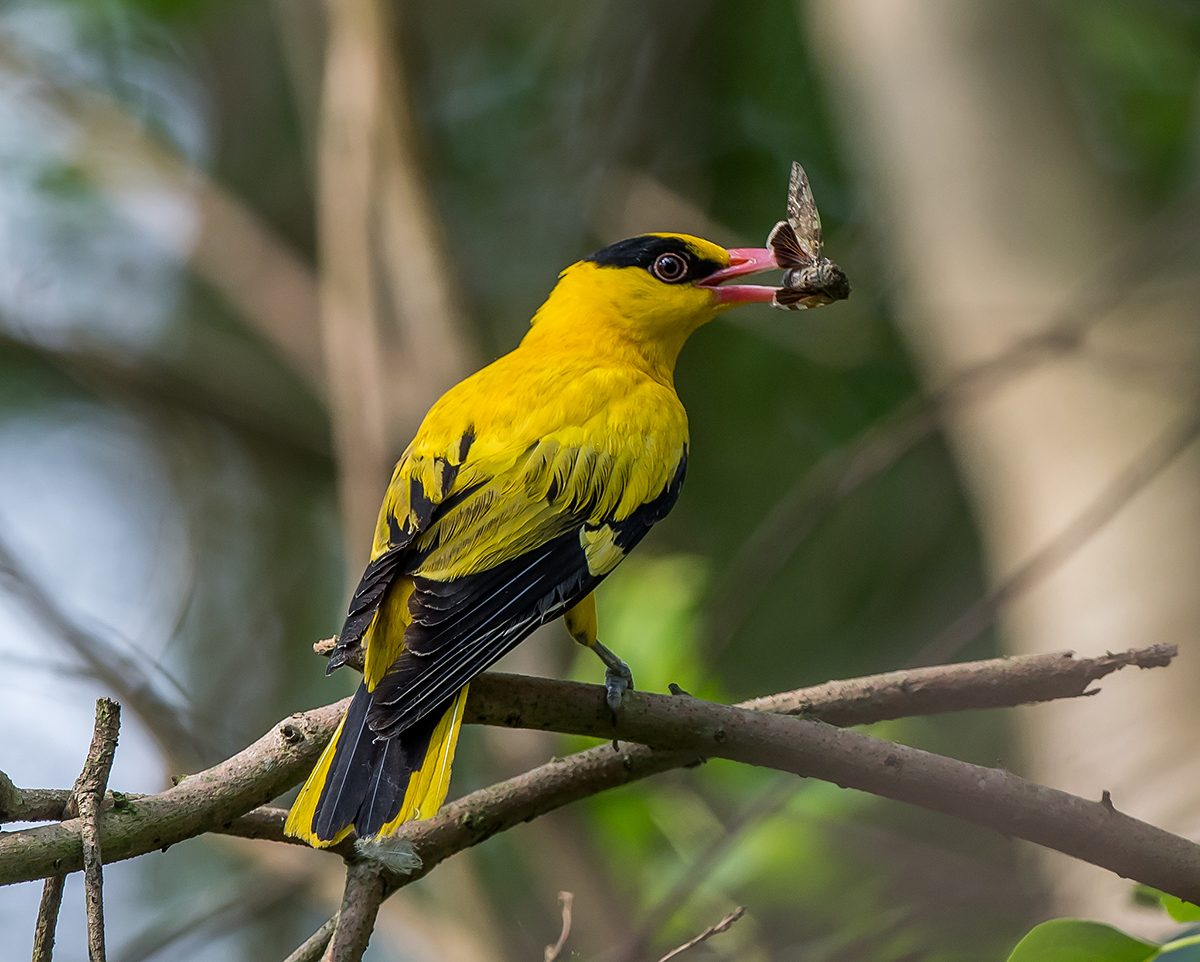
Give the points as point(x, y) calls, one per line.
point(641, 252)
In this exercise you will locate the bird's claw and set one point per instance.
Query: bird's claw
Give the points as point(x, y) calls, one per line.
point(618, 679)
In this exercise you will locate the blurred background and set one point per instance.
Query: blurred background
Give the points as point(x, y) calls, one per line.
point(245, 243)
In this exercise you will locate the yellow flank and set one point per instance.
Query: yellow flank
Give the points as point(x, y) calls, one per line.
point(581, 620)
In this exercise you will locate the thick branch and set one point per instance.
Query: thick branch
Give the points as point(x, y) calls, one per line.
point(200, 803)
point(213, 800)
point(356, 918)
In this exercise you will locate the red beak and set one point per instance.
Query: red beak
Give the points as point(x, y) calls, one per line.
point(742, 261)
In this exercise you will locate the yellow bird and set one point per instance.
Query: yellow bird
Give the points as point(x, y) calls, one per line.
point(525, 486)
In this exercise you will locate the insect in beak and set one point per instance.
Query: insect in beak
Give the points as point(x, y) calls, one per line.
point(811, 278)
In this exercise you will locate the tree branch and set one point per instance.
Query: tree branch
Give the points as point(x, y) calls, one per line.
point(691, 730)
point(213, 800)
point(517, 701)
point(722, 926)
point(199, 803)
point(356, 918)
point(84, 801)
point(89, 791)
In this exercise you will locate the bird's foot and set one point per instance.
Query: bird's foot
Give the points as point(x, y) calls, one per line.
point(617, 680)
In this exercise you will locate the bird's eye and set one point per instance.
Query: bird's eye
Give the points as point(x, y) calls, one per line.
point(669, 267)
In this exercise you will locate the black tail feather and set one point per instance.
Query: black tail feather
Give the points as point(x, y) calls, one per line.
point(369, 776)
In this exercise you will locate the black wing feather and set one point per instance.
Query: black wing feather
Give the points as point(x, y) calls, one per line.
point(462, 627)
point(382, 571)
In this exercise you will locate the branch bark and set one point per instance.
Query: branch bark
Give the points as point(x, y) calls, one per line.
point(84, 802)
point(356, 918)
point(218, 799)
point(199, 803)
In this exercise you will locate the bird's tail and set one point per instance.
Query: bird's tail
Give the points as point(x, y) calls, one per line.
point(374, 785)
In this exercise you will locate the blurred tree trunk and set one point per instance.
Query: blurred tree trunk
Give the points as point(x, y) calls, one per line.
point(994, 218)
point(391, 331)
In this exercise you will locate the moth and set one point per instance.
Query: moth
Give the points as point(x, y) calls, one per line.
point(810, 278)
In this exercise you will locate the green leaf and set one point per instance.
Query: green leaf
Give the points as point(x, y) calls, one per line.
point(1178, 909)
point(1074, 940)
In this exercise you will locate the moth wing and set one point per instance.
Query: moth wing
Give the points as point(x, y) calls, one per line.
point(786, 247)
point(802, 215)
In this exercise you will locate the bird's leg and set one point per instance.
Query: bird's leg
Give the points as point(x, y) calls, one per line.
point(581, 623)
point(617, 677)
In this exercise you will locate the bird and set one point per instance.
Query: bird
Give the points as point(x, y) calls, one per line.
point(524, 487)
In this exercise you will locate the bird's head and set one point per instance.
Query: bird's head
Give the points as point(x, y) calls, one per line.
point(654, 289)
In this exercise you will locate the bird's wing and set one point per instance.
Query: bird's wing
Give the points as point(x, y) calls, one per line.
point(503, 543)
point(422, 488)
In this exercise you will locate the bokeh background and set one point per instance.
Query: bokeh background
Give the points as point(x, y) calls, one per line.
point(245, 243)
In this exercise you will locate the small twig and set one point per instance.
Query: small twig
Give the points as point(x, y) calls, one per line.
point(722, 926)
point(552, 951)
point(356, 918)
point(84, 802)
point(314, 946)
point(1106, 506)
point(47, 920)
point(89, 791)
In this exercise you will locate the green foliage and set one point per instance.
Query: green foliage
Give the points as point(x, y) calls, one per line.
point(1075, 940)
point(1135, 71)
point(1180, 910)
